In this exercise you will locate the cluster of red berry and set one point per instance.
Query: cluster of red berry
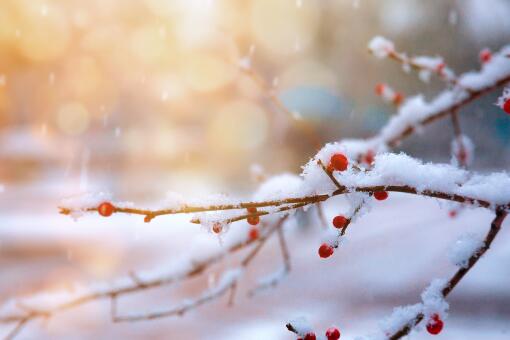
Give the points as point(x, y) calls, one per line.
point(387, 93)
point(435, 325)
point(332, 333)
point(339, 162)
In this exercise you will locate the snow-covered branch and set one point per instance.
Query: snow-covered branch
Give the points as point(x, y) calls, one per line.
point(446, 288)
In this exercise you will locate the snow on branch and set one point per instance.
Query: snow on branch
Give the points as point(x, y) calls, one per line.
point(434, 306)
point(43, 306)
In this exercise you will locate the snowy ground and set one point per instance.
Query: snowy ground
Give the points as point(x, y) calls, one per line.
point(391, 255)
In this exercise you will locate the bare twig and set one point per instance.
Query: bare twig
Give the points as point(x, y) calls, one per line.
point(282, 273)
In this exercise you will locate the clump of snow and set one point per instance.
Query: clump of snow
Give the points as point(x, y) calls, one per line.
point(495, 69)
point(433, 302)
point(428, 65)
point(400, 169)
point(331, 236)
point(279, 187)
point(465, 247)
point(381, 47)
point(433, 299)
point(301, 325)
point(492, 188)
point(401, 317)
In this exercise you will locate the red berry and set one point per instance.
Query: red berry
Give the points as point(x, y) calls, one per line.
point(369, 157)
point(106, 209)
point(217, 228)
point(325, 250)
point(333, 333)
point(506, 106)
point(435, 325)
point(462, 156)
point(440, 67)
point(379, 89)
point(398, 98)
point(339, 162)
point(485, 55)
point(380, 195)
point(252, 210)
point(253, 234)
point(253, 220)
point(339, 221)
point(310, 336)
point(452, 213)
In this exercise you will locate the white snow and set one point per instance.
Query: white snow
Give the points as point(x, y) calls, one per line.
point(467, 245)
point(433, 300)
point(301, 325)
point(381, 47)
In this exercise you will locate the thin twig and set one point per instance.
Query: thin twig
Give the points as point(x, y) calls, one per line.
point(138, 285)
point(280, 274)
point(206, 296)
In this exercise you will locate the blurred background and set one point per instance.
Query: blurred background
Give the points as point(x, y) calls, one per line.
point(139, 97)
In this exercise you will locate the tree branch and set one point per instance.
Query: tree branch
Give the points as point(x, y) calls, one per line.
point(457, 277)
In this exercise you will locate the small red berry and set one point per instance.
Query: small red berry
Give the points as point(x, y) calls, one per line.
point(106, 209)
point(310, 336)
point(440, 67)
point(333, 333)
point(452, 213)
point(398, 98)
point(380, 195)
point(253, 234)
point(252, 210)
point(462, 156)
point(379, 89)
point(339, 162)
point(339, 221)
point(253, 220)
point(506, 106)
point(217, 228)
point(369, 157)
point(485, 55)
point(325, 250)
point(435, 325)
